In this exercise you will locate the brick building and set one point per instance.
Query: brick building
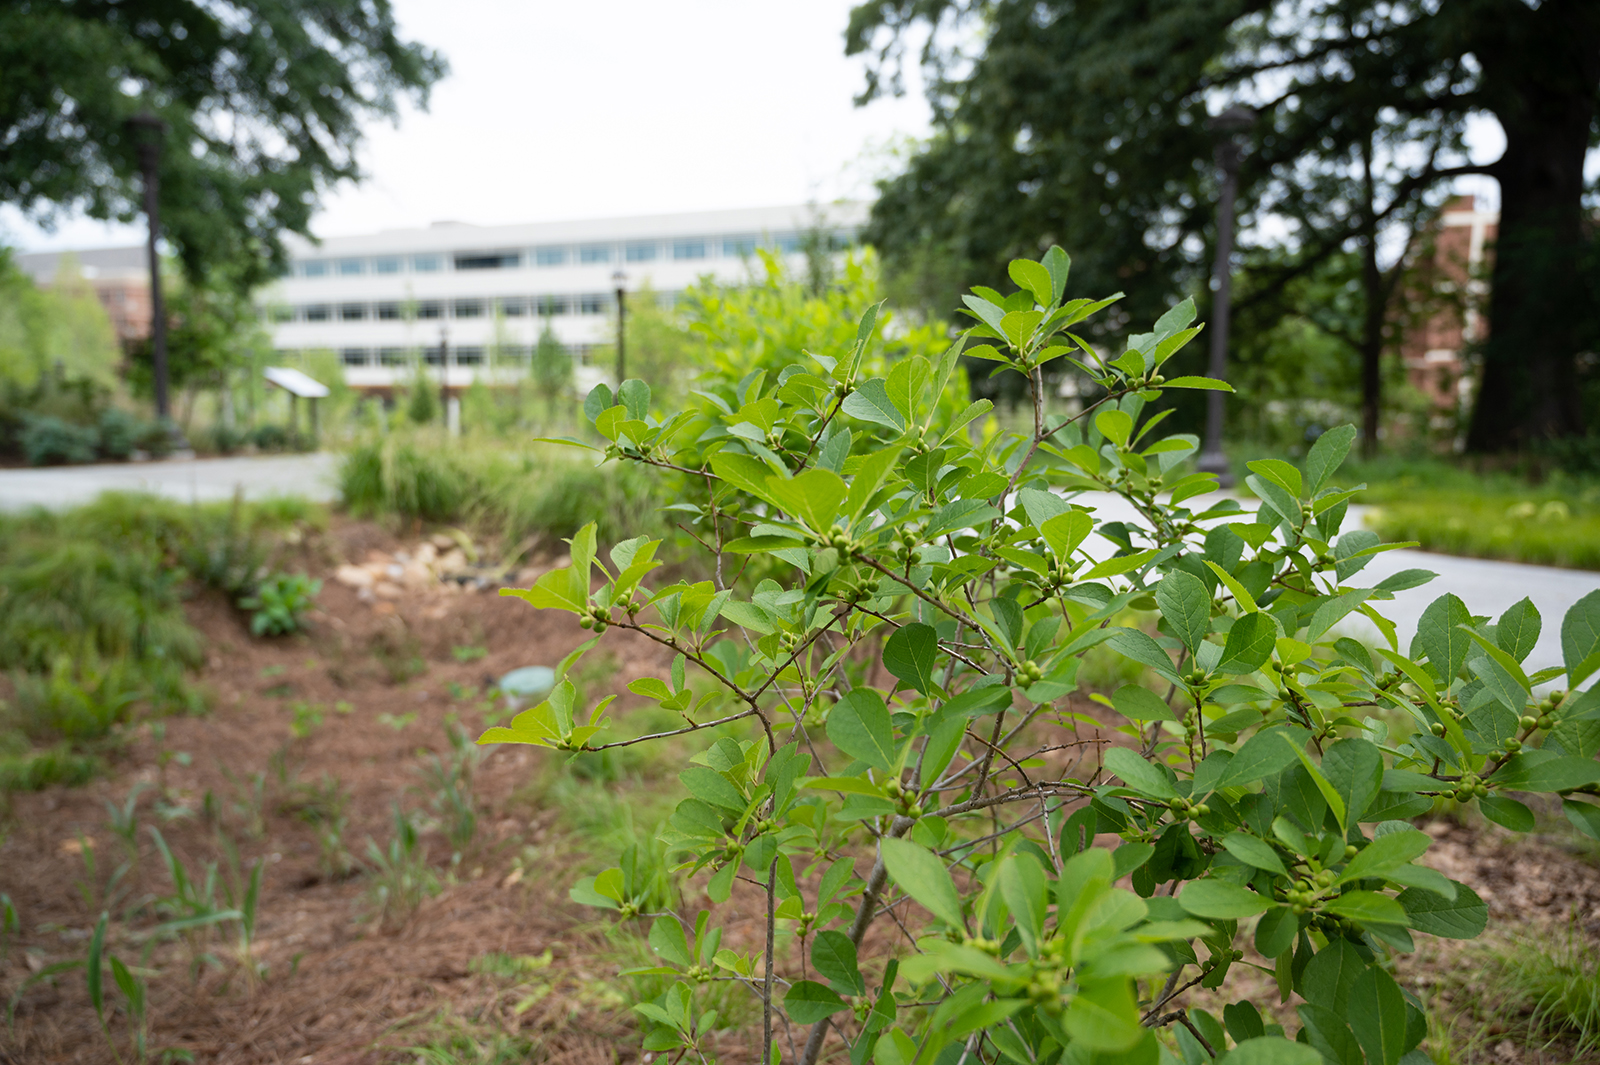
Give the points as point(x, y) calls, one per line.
point(119, 276)
point(1442, 314)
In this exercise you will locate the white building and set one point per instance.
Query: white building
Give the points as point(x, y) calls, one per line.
point(471, 301)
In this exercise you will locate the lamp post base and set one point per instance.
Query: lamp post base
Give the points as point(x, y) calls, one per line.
point(1216, 462)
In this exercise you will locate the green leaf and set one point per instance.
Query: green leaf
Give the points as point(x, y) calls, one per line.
point(1137, 645)
point(1119, 564)
point(710, 786)
point(1059, 263)
point(1580, 639)
point(1463, 917)
point(815, 496)
point(635, 398)
point(1377, 1016)
point(1065, 532)
point(1276, 930)
point(1262, 755)
point(1139, 774)
point(1246, 601)
point(1034, 278)
point(921, 874)
point(1330, 974)
point(1324, 788)
point(1500, 673)
point(668, 941)
point(1279, 473)
point(910, 653)
point(834, 956)
point(1518, 629)
point(1253, 851)
point(1185, 603)
point(1141, 704)
point(742, 472)
point(1115, 425)
point(959, 514)
point(859, 726)
point(808, 1002)
point(1270, 1050)
point(1027, 894)
point(1585, 817)
point(1250, 643)
point(870, 402)
point(907, 380)
point(1441, 638)
point(1198, 382)
point(1354, 768)
point(1221, 901)
point(1507, 813)
point(1385, 854)
point(1542, 771)
point(1327, 455)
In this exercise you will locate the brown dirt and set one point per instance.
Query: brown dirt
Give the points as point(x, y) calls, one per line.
point(339, 988)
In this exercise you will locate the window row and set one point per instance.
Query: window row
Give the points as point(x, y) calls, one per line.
point(735, 246)
point(395, 310)
point(465, 355)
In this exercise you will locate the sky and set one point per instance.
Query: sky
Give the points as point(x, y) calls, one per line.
point(567, 110)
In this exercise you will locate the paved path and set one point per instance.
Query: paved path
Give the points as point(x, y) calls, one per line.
point(201, 480)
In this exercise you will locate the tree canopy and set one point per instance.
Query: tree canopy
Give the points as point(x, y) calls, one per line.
point(264, 100)
point(1085, 122)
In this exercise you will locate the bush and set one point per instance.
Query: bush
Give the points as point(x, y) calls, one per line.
point(49, 441)
point(75, 702)
point(119, 432)
point(269, 437)
point(280, 603)
point(906, 675)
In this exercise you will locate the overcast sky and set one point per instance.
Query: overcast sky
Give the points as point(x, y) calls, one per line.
point(576, 110)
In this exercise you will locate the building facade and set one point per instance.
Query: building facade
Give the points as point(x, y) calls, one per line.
point(120, 278)
point(469, 302)
point(1444, 306)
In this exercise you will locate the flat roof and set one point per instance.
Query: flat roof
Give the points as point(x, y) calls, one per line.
point(44, 266)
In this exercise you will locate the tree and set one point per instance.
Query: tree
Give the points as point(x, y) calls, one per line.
point(264, 99)
point(59, 333)
point(1084, 122)
point(552, 368)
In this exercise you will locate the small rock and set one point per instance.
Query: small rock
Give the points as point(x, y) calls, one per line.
point(353, 576)
point(452, 561)
point(426, 554)
point(416, 575)
point(443, 541)
point(386, 590)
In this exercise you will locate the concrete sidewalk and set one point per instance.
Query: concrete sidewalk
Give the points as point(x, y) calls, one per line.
point(191, 480)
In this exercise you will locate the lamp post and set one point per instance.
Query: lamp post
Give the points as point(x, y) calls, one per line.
point(621, 279)
point(1231, 123)
point(146, 131)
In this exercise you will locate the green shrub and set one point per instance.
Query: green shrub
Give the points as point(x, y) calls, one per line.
point(1548, 532)
point(75, 701)
point(269, 437)
point(49, 441)
point(280, 603)
point(30, 770)
point(118, 433)
point(920, 806)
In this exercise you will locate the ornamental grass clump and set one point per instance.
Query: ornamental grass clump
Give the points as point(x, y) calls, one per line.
point(896, 616)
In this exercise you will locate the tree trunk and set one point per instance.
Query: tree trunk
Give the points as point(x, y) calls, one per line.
point(1540, 78)
point(1377, 304)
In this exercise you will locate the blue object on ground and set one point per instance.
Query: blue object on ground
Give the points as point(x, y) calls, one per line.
point(528, 684)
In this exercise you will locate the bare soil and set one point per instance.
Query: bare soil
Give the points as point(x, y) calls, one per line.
point(340, 986)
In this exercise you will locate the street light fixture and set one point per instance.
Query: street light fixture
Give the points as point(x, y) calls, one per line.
point(621, 279)
point(1230, 124)
point(147, 132)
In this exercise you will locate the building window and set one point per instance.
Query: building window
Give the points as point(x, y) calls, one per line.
point(593, 303)
point(496, 261)
point(280, 312)
point(553, 305)
point(433, 356)
point(355, 356)
point(315, 268)
point(386, 264)
point(430, 309)
point(513, 306)
point(689, 249)
point(351, 267)
point(511, 353)
point(468, 309)
point(352, 312)
point(469, 356)
point(549, 256)
point(426, 264)
point(317, 312)
point(739, 247)
point(640, 253)
point(392, 356)
point(388, 312)
point(788, 243)
point(594, 253)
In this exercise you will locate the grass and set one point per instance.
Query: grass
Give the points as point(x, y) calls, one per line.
point(511, 492)
point(92, 628)
point(1539, 989)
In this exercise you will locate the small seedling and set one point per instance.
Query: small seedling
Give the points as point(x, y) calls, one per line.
point(307, 718)
point(397, 722)
point(466, 654)
point(280, 603)
point(400, 877)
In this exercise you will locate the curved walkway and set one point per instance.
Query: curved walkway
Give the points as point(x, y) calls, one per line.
point(189, 480)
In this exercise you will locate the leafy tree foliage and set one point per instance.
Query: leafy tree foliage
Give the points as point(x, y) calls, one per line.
point(61, 331)
point(1085, 122)
point(264, 100)
point(881, 660)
